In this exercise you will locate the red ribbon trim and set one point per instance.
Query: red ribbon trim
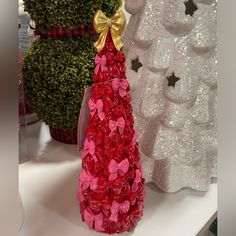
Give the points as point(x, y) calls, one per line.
point(59, 32)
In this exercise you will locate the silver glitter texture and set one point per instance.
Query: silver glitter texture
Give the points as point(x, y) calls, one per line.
point(176, 124)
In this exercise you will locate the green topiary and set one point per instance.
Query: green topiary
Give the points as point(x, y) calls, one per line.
point(56, 73)
point(68, 12)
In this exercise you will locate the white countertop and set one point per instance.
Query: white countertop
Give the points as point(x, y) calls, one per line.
point(48, 185)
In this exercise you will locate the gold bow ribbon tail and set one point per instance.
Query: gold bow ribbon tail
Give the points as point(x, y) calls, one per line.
point(115, 24)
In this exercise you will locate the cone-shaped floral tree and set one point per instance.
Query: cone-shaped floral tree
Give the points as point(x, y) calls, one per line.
point(111, 187)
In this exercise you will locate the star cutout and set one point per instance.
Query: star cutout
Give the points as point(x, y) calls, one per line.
point(136, 64)
point(172, 80)
point(190, 7)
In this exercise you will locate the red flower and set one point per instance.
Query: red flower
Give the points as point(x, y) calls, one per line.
point(110, 59)
point(127, 99)
point(100, 152)
point(67, 32)
point(131, 174)
point(120, 151)
point(60, 33)
point(133, 198)
point(119, 111)
point(120, 57)
point(98, 203)
point(126, 222)
point(96, 121)
point(104, 76)
point(76, 31)
point(54, 33)
point(132, 160)
point(97, 92)
point(103, 187)
point(98, 167)
point(107, 104)
point(82, 30)
point(96, 77)
point(129, 110)
point(110, 46)
point(126, 189)
point(130, 122)
point(115, 72)
point(116, 185)
point(116, 139)
point(99, 136)
point(122, 69)
point(108, 91)
point(88, 164)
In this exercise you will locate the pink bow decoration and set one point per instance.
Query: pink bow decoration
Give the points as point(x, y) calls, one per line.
point(117, 208)
point(93, 220)
point(80, 195)
point(120, 85)
point(98, 106)
point(89, 148)
point(135, 138)
point(87, 180)
point(118, 124)
point(101, 63)
point(137, 180)
point(115, 168)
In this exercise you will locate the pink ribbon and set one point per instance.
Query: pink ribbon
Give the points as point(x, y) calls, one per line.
point(87, 180)
point(117, 208)
point(101, 63)
point(118, 124)
point(93, 220)
point(80, 193)
point(120, 85)
point(89, 148)
point(137, 180)
point(98, 106)
point(115, 168)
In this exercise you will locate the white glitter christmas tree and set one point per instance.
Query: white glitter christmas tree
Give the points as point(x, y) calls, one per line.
point(171, 66)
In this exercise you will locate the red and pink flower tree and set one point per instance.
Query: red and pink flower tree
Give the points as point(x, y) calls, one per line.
point(111, 186)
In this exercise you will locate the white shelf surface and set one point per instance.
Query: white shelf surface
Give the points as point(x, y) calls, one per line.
point(48, 185)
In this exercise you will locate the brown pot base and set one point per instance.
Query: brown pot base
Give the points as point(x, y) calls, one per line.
point(64, 136)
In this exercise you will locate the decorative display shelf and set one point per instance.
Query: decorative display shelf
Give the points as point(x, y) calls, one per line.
point(48, 184)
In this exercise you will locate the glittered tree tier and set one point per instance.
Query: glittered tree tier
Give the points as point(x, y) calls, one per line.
point(111, 187)
point(171, 66)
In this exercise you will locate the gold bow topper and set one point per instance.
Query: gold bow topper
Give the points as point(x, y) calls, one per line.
point(103, 25)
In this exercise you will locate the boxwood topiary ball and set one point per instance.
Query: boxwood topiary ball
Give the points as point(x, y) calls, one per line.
point(56, 73)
